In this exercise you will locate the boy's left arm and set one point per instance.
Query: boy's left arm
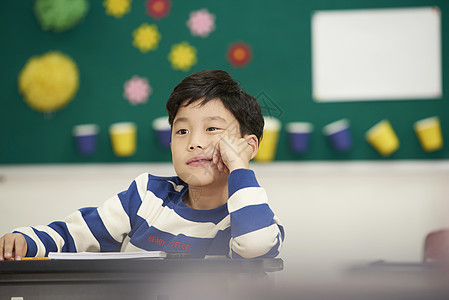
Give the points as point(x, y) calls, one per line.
point(255, 230)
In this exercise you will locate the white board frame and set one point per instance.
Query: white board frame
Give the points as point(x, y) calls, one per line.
point(376, 54)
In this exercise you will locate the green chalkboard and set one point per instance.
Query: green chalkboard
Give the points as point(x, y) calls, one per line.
point(279, 34)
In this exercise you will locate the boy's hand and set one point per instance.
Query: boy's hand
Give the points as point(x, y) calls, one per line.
point(13, 245)
point(233, 152)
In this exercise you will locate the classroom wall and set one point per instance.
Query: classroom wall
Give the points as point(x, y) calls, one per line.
point(336, 214)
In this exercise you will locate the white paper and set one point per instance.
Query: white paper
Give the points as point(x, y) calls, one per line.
point(106, 255)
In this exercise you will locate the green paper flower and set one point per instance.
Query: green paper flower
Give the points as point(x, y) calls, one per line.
point(60, 15)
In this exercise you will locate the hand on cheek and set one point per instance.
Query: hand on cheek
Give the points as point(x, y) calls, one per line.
point(218, 160)
point(233, 152)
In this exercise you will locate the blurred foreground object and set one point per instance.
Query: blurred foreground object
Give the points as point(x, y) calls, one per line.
point(436, 246)
point(158, 278)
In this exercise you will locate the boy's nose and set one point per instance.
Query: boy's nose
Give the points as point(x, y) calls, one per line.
point(193, 147)
point(196, 142)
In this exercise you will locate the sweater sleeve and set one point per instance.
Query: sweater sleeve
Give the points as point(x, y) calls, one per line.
point(92, 229)
point(255, 230)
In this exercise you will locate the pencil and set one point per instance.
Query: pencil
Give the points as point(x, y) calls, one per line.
point(34, 258)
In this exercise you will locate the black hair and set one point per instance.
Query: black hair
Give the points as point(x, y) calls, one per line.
point(218, 84)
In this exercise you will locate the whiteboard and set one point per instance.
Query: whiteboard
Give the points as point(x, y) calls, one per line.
point(376, 54)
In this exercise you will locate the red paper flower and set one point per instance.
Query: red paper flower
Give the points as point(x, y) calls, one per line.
point(158, 8)
point(239, 54)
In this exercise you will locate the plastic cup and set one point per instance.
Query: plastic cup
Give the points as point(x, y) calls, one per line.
point(383, 138)
point(299, 133)
point(339, 135)
point(123, 138)
point(268, 145)
point(86, 138)
point(163, 131)
point(429, 133)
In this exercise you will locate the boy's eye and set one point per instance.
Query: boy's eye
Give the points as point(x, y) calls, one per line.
point(212, 129)
point(182, 131)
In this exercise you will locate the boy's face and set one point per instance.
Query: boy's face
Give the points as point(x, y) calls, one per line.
point(196, 131)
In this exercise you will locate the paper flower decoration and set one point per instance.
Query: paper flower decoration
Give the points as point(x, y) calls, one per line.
point(239, 54)
point(49, 82)
point(146, 37)
point(137, 90)
point(182, 56)
point(158, 8)
point(117, 8)
point(60, 15)
point(201, 23)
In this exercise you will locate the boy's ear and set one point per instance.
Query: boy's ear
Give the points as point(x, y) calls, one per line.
point(253, 142)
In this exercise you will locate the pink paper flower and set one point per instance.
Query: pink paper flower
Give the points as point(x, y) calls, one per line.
point(137, 90)
point(201, 23)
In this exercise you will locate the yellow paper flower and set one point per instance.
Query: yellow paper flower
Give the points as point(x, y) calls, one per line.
point(146, 37)
point(182, 56)
point(49, 82)
point(117, 8)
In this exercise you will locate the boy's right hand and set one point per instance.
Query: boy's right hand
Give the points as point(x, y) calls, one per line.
point(13, 245)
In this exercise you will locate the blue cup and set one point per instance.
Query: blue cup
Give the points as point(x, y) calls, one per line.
point(339, 135)
point(299, 133)
point(86, 138)
point(163, 131)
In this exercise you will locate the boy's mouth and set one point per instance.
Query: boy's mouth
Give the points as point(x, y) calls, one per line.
point(199, 161)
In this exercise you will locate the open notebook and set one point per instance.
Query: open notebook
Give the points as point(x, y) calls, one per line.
point(106, 255)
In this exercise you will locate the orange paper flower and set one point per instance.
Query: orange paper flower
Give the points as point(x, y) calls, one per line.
point(239, 54)
point(158, 8)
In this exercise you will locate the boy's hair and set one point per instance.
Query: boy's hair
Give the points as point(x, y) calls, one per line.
point(218, 84)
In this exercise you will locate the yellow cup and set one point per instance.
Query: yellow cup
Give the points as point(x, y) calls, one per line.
point(123, 138)
point(383, 138)
point(268, 145)
point(429, 133)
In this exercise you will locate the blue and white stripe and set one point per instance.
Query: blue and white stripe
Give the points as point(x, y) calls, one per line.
point(150, 215)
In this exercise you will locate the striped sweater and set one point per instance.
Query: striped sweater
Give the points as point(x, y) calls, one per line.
point(150, 215)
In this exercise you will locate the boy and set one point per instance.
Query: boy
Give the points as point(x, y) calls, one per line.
point(213, 207)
